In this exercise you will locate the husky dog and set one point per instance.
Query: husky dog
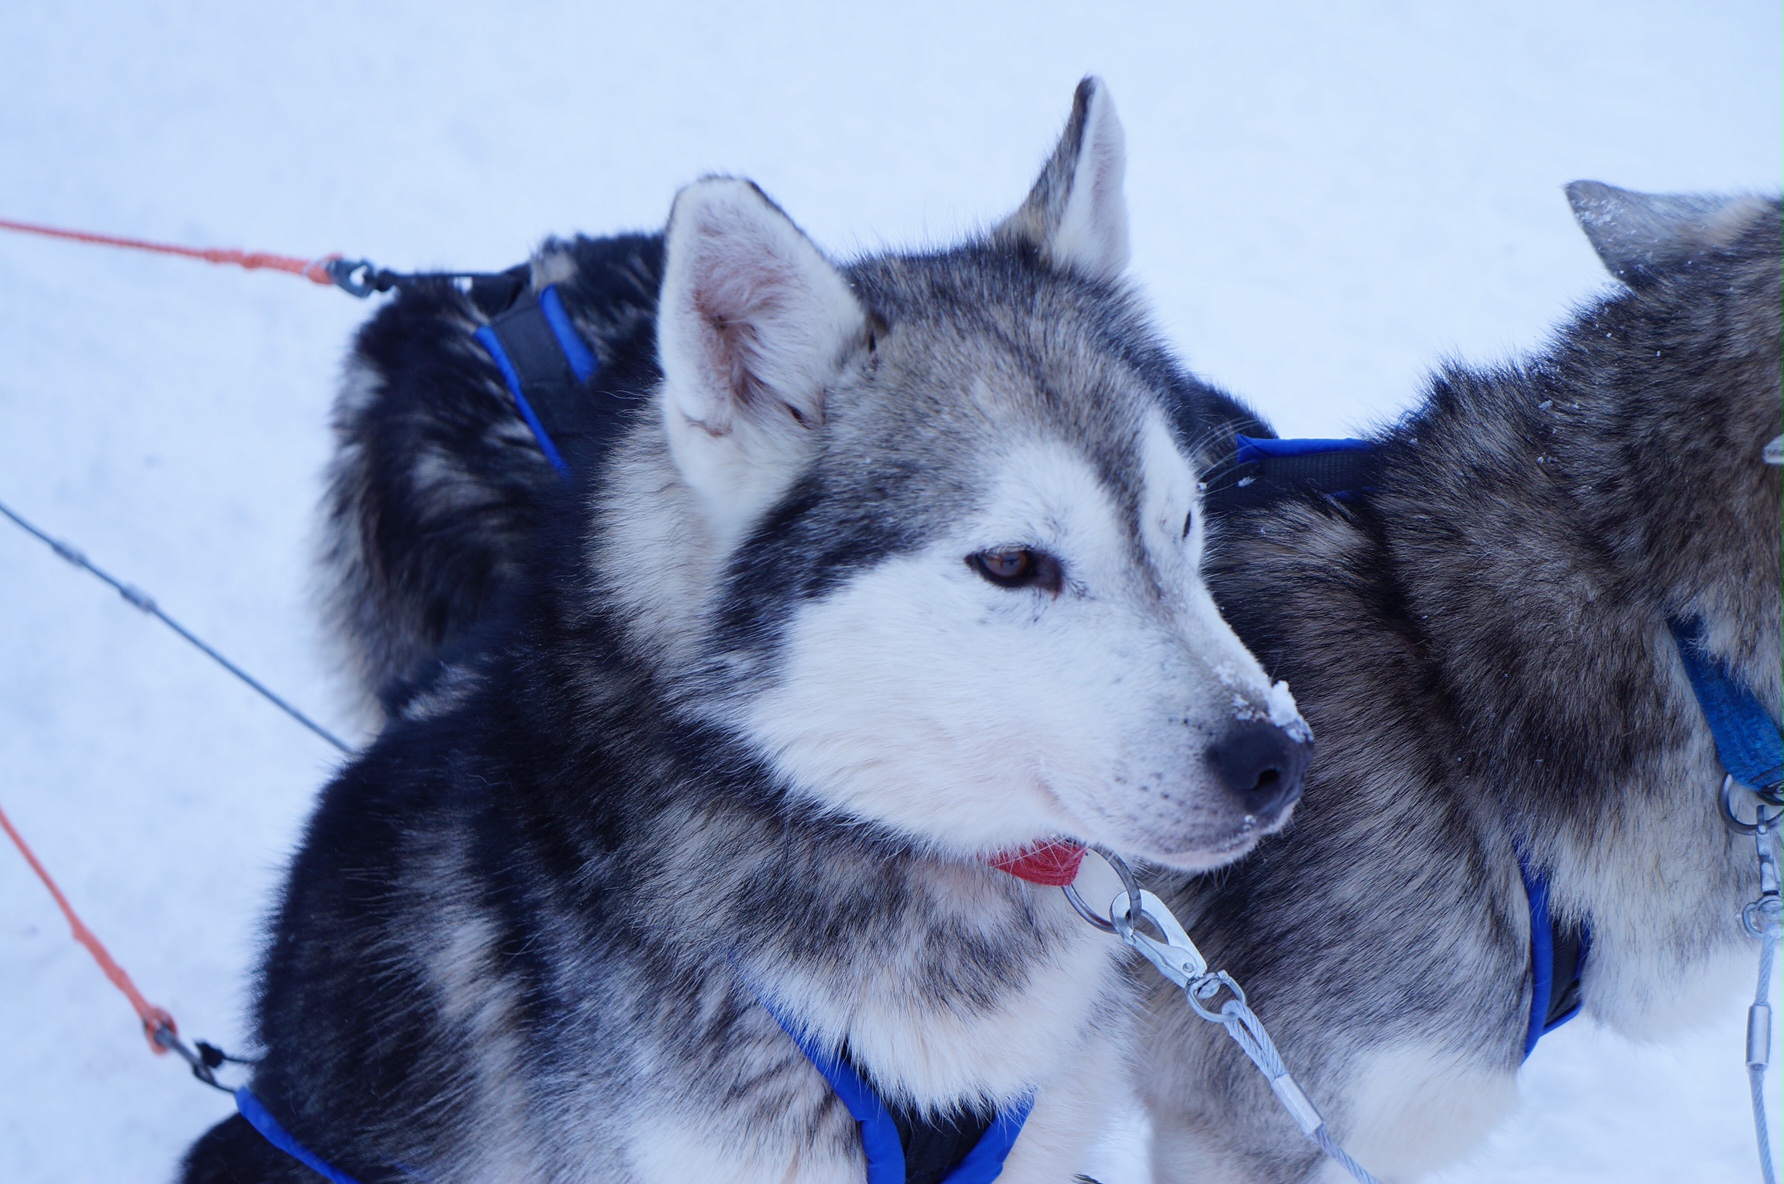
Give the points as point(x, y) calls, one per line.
point(438, 490)
point(894, 569)
point(1482, 644)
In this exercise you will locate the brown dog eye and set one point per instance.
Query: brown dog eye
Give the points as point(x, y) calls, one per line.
point(1018, 567)
point(1006, 567)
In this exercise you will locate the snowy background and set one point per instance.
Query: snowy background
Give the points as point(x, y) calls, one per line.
point(1326, 199)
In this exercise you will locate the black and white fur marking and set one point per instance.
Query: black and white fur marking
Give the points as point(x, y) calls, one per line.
point(744, 720)
point(1482, 646)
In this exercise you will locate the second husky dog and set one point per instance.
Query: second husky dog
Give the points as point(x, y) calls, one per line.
point(1485, 643)
point(681, 874)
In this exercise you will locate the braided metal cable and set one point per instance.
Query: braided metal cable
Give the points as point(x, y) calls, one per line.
point(1248, 1033)
point(1177, 958)
point(1759, 1038)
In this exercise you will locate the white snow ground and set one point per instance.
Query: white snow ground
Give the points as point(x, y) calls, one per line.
point(1326, 199)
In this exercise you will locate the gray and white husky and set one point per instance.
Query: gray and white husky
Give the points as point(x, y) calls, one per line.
point(1486, 631)
point(1482, 644)
point(893, 567)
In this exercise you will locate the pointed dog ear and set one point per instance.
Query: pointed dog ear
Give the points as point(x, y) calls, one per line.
point(1076, 214)
point(1642, 236)
point(753, 326)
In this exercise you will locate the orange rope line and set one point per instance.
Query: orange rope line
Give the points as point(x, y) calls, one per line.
point(311, 269)
point(154, 1019)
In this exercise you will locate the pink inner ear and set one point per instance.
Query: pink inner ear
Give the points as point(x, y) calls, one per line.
point(738, 288)
point(757, 317)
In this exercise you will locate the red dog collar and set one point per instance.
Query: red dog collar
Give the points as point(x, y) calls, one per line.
point(1052, 863)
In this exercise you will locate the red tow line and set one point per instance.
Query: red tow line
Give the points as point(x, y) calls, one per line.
point(157, 1023)
point(314, 270)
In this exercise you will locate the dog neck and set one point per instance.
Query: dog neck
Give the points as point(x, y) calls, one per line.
point(951, 983)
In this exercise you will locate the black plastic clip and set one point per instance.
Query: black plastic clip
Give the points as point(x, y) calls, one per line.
point(359, 277)
point(204, 1062)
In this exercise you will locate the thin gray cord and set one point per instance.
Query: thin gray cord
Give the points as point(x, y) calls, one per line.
point(143, 601)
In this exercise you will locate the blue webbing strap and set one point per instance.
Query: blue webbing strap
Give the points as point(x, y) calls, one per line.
point(984, 1163)
point(1747, 741)
point(1253, 448)
point(1542, 954)
point(533, 341)
point(487, 337)
point(880, 1144)
point(576, 351)
point(1542, 958)
point(262, 1120)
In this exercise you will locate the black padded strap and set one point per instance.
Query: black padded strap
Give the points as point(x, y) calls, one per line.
point(495, 292)
point(554, 375)
point(538, 360)
point(933, 1146)
point(1273, 478)
point(1569, 944)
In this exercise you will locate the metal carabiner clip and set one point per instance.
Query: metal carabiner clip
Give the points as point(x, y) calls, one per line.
point(356, 277)
point(1176, 956)
point(1725, 807)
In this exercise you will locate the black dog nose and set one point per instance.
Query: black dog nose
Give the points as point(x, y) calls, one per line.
point(1261, 766)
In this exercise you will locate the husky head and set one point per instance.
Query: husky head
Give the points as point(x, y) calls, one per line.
point(1694, 492)
point(918, 529)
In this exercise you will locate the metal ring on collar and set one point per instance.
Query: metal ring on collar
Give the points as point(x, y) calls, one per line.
point(1129, 884)
point(1084, 910)
point(1136, 908)
point(1725, 805)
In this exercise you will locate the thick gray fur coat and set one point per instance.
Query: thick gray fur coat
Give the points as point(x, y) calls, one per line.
point(1481, 645)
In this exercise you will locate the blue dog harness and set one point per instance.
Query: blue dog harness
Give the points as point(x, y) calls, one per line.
point(902, 1147)
point(273, 1131)
point(1267, 471)
point(1747, 741)
point(1557, 955)
point(541, 357)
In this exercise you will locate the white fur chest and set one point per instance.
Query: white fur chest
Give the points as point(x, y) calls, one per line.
point(1062, 1038)
point(927, 1051)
